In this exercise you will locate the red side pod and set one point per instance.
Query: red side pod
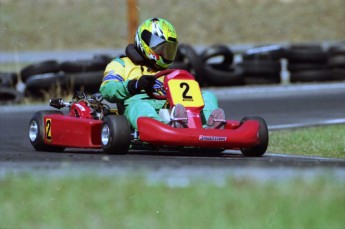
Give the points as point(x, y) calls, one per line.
point(72, 132)
point(155, 132)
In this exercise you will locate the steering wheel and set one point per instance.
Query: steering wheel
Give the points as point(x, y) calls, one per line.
point(154, 95)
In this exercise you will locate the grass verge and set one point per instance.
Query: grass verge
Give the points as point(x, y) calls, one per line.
point(115, 202)
point(88, 24)
point(323, 141)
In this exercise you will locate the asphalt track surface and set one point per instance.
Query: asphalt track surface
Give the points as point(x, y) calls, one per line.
point(281, 107)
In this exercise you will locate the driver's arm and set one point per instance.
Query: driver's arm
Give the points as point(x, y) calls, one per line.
point(114, 84)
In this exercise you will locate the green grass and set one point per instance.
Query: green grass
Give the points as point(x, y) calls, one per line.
point(131, 202)
point(87, 24)
point(323, 141)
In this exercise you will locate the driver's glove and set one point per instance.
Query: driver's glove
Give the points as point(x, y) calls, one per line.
point(145, 82)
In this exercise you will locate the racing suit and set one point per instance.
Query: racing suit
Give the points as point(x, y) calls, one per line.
point(114, 88)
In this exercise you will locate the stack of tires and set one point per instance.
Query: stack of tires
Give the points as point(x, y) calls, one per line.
point(85, 74)
point(42, 77)
point(307, 63)
point(188, 59)
point(218, 67)
point(214, 66)
point(8, 92)
point(262, 64)
point(336, 61)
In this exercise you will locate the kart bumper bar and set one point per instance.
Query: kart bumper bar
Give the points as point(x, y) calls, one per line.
point(157, 133)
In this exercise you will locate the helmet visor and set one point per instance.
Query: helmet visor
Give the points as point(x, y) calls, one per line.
point(165, 48)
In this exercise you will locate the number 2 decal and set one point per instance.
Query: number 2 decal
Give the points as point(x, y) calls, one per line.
point(48, 129)
point(185, 92)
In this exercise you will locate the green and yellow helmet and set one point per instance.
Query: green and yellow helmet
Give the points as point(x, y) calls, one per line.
point(156, 38)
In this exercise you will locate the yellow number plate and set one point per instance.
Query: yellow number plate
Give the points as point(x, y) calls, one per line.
point(48, 129)
point(186, 92)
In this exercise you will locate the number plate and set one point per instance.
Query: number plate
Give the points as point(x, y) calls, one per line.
point(186, 92)
point(48, 129)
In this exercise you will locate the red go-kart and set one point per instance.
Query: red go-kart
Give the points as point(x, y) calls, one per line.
point(91, 123)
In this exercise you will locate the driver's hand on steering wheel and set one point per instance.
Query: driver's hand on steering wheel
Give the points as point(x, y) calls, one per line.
point(145, 82)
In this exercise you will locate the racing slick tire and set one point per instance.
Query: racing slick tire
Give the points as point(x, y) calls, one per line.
point(259, 149)
point(115, 134)
point(37, 131)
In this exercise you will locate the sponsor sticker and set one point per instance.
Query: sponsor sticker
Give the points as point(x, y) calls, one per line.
point(212, 138)
point(80, 107)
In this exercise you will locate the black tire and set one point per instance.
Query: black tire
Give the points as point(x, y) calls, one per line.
point(180, 65)
point(191, 58)
point(37, 131)
point(261, 71)
point(85, 81)
point(49, 66)
point(260, 149)
point(214, 76)
point(338, 49)
point(266, 52)
point(261, 67)
point(337, 61)
point(305, 53)
point(103, 58)
point(8, 79)
point(218, 51)
point(262, 80)
point(9, 96)
point(116, 129)
point(338, 74)
point(79, 66)
point(311, 76)
point(37, 85)
point(296, 67)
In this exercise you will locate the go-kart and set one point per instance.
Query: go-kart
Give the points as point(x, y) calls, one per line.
point(92, 123)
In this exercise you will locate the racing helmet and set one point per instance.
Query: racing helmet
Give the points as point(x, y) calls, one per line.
point(156, 39)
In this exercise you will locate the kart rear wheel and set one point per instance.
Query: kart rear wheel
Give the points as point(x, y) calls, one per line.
point(37, 131)
point(261, 147)
point(115, 134)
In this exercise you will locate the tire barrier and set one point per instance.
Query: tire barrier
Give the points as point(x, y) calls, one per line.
point(266, 52)
point(216, 65)
point(49, 66)
point(336, 61)
point(38, 86)
point(307, 63)
point(188, 56)
point(95, 64)
point(8, 79)
point(67, 76)
point(9, 96)
point(84, 81)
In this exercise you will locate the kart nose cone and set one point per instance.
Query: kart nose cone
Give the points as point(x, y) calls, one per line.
point(105, 135)
point(33, 131)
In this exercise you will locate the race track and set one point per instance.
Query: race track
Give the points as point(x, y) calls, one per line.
point(280, 107)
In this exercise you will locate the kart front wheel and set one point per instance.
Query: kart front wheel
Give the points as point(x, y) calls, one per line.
point(115, 134)
point(37, 131)
point(259, 149)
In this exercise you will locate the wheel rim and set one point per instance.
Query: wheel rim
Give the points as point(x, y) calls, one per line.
point(33, 131)
point(105, 135)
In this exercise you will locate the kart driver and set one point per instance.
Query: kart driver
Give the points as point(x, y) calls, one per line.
point(127, 78)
